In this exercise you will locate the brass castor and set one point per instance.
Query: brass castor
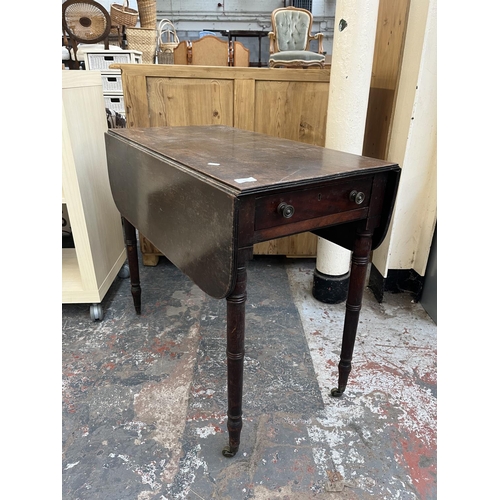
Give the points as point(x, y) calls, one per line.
point(337, 392)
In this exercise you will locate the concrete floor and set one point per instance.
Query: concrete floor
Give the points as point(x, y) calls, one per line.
point(144, 397)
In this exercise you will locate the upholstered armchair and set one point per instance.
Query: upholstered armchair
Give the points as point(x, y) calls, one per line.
point(289, 40)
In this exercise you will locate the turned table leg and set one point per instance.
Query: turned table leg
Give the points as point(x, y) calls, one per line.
point(359, 264)
point(235, 354)
point(133, 263)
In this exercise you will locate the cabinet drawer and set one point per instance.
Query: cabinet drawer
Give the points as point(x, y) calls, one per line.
point(111, 83)
point(294, 206)
point(115, 102)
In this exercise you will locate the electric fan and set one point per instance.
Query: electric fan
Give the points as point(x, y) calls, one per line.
point(85, 22)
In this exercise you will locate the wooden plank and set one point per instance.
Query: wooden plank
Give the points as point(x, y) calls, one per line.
point(241, 55)
point(135, 94)
point(298, 245)
point(150, 254)
point(389, 42)
point(221, 72)
point(378, 121)
point(181, 102)
point(244, 104)
point(292, 110)
point(388, 53)
point(181, 54)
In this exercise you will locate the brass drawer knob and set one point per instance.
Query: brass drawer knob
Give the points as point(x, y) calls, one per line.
point(357, 196)
point(286, 210)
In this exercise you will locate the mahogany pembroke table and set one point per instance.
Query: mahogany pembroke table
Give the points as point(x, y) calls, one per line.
point(205, 195)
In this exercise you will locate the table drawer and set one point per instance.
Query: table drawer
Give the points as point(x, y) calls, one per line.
point(294, 206)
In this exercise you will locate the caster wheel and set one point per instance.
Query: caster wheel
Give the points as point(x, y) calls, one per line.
point(96, 313)
point(124, 272)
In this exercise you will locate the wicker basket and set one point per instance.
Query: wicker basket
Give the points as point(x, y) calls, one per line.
point(143, 39)
point(122, 15)
point(147, 13)
point(167, 41)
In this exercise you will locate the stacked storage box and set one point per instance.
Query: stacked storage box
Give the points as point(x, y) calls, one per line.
point(100, 60)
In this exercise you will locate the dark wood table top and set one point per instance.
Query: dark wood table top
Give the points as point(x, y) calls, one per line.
point(248, 161)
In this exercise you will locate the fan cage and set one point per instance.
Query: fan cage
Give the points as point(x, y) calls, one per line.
point(86, 22)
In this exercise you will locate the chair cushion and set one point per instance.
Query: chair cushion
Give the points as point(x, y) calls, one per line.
point(296, 55)
point(292, 30)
